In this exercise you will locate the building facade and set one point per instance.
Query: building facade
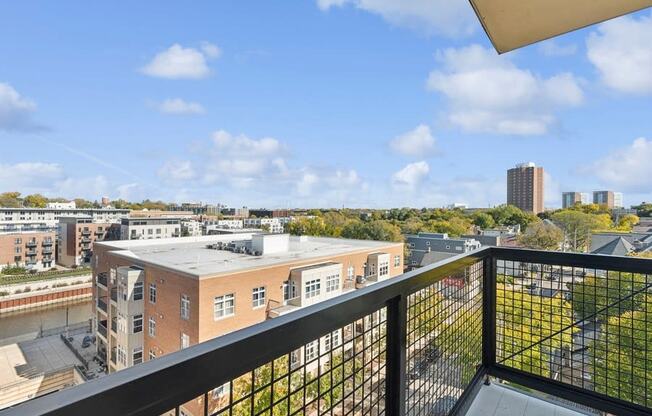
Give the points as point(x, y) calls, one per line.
point(570, 199)
point(525, 187)
point(269, 213)
point(272, 225)
point(76, 238)
point(428, 248)
point(156, 297)
point(50, 216)
point(31, 247)
point(606, 198)
point(147, 228)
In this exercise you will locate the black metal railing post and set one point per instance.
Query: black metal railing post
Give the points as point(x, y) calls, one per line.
point(395, 380)
point(489, 313)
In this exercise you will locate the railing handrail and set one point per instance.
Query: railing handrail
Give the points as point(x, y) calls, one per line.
point(231, 355)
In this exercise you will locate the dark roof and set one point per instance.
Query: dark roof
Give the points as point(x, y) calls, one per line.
point(617, 247)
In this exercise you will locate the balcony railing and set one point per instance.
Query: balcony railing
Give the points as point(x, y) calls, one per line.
point(101, 328)
point(114, 294)
point(101, 305)
point(572, 326)
point(31, 244)
point(102, 279)
point(47, 243)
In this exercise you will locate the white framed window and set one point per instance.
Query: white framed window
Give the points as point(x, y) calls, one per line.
point(311, 350)
point(224, 306)
point(350, 273)
point(137, 355)
point(185, 307)
point(138, 291)
point(397, 261)
point(332, 340)
point(383, 268)
point(295, 358)
point(152, 293)
point(151, 327)
point(289, 290)
point(185, 340)
point(332, 283)
point(258, 296)
point(122, 355)
point(152, 355)
point(312, 288)
point(138, 323)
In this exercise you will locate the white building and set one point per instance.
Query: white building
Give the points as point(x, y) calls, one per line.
point(149, 228)
point(61, 205)
point(272, 225)
point(50, 216)
point(191, 228)
point(618, 200)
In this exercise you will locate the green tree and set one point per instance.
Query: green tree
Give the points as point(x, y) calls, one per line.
point(314, 226)
point(627, 222)
point(10, 200)
point(578, 226)
point(542, 235)
point(35, 201)
point(511, 215)
point(644, 209)
point(374, 230)
point(455, 226)
point(605, 297)
point(483, 220)
point(83, 203)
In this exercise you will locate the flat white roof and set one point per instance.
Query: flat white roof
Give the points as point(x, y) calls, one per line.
point(190, 256)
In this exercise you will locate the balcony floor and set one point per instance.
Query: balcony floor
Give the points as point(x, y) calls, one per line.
point(497, 400)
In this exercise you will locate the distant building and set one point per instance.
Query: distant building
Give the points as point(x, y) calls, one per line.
point(209, 225)
point(428, 248)
point(76, 238)
point(106, 201)
point(196, 208)
point(236, 212)
point(269, 213)
point(618, 200)
point(27, 245)
point(525, 187)
point(621, 244)
point(609, 199)
point(147, 228)
point(191, 228)
point(272, 225)
point(50, 216)
point(155, 213)
point(61, 205)
point(570, 199)
point(458, 205)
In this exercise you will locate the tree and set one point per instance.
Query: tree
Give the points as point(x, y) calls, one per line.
point(483, 220)
point(542, 235)
point(627, 222)
point(307, 226)
point(35, 201)
point(379, 230)
point(10, 200)
point(578, 226)
point(511, 215)
point(455, 226)
point(603, 297)
point(644, 209)
point(83, 203)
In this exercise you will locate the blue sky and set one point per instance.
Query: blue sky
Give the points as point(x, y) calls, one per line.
point(362, 103)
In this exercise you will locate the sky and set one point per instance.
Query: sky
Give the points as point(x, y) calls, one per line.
point(320, 103)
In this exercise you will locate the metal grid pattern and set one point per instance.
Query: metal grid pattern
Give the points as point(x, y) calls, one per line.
point(587, 327)
point(444, 341)
point(341, 373)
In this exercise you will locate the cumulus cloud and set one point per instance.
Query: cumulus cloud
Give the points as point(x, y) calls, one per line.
point(489, 93)
point(15, 110)
point(411, 176)
point(418, 142)
point(178, 62)
point(29, 175)
point(627, 168)
point(622, 53)
point(178, 106)
point(447, 17)
point(552, 48)
point(177, 170)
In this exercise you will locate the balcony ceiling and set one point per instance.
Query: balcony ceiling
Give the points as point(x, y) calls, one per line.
point(511, 24)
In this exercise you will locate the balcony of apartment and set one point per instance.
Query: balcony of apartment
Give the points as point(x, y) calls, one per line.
point(102, 279)
point(114, 295)
point(85, 240)
point(86, 232)
point(101, 329)
point(47, 243)
point(31, 243)
point(114, 325)
point(46, 250)
point(101, 305)
point(472, 335)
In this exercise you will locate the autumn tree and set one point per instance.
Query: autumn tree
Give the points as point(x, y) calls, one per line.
point(10, 200)
point(511, 215)
point(627, 222)
point(542, 235)
point(578, 226)
point(379, 230)
point(35, 201)
point(483, 220)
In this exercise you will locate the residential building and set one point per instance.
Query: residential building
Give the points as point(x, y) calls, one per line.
point(621, 244)
point(196, 208)
point(76, 237)
point(269, 213)
point(156, 297)
point(191, 228)
point(272, 225)
point(212, 224)
point(61, 205)
point(50, 216)
point(570, 199)
point(29, 246)
point(155, 213)
point(236, 212)
point(618, 200)
point(429, 248)
point(147, 228)
point(525, 187)
point(606, 198)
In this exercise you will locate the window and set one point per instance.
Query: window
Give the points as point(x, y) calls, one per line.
point(220, 391)
point(289, 290)
point(412, 245)
point(397, 261)
point(150, 231)
point(185, 341)
point(185, 307)
point(122, 356)
point(311, 350)
point(152, 355)
point(383, 268)
point(19, 241)
point(138, 323)
point(258, 296)
point(138, 291)
point(294, 358)
point(151, 326)
point(223, 306)
point(313, 288)
point(18, 250)
point(158, 231)
point(332, 283)
point(18, 259)
point(350, 273)
point(137, 355)
point(152, 293)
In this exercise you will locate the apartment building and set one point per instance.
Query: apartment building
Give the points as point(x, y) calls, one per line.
point(210, 225)
point(610, 199)
point(236, 212)
point(272, 225)
point(269, 213)
point(525, 187)
point(30, 246)
point(191, 228)
point(156, 297)
point(570, 199)
point(429, 248)
point(77, 236)
point(50, 216)
point(197, 208)
point(147, 228)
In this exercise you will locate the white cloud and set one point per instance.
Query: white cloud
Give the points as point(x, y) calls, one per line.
point(178, 106)
point(177, 170)
point(178, 62)
point(447, 17)
point(628, 168)
point(411, 175)
point(488, 93)
point(621, 50)
point(418, 142)
point(306, 184)
point(15, 110)
point(552, 48)
point(30, 175)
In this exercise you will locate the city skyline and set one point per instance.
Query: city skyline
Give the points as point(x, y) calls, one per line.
point(126, 121)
